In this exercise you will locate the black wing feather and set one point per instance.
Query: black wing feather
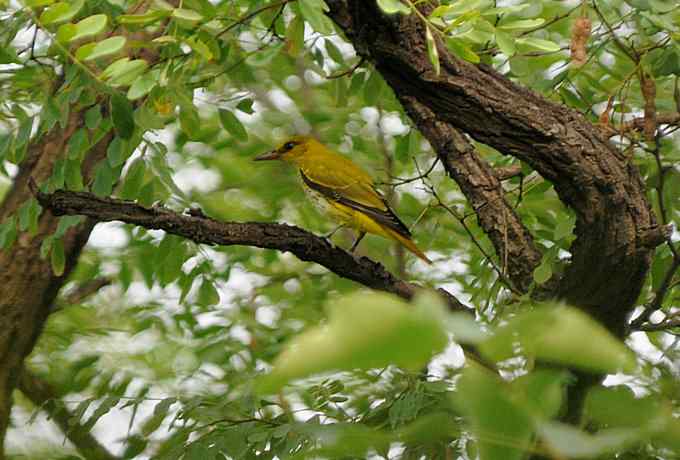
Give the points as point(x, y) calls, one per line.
point(385, 217)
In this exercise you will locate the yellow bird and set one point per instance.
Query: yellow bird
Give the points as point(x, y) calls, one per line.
point(343, 190)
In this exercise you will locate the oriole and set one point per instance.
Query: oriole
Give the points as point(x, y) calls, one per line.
point(343, 190)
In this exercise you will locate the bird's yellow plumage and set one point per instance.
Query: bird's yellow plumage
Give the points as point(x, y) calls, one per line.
point(343, 190)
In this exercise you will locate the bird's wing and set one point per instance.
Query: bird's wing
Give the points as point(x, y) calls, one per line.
point(352, 187)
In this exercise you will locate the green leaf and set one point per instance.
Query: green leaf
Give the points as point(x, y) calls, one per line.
point(93, 117)
point(245, 105)
point(88, 27)
point(619, 407)
point(232, 124)
point(207, 293)
point(333, 51)
point(143, 85)
point(104, 179)
point(57, 258)
point(189, 120)
point(143, 19)
point(159, 413)
point(555, 333)
point(460, 49)
point(122, 116)
point(570, 442)
point(37, 3)
point(91, 51)
point(373, 89)
point(61, 12)
point(200, 48)
point(115, 152)
point(503, 428)
point(187, 15)
point(506, 43)
point(364, 330)
point(522, 24)
point(77, 145)
point(124, 71)
point(313, 12)
point(539, 44)
point(134, 179)
point(432, 51)
point(8, 232)
point(393, 6)
point(543, 272)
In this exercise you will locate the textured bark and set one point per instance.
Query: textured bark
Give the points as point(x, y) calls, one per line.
point(201, 229)
point(513, 243)
point(615, 225)
point(28, 285)
point(616, 231)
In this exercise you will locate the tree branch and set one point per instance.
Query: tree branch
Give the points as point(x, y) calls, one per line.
point(610, 257)
point(85, 290)
point(43, 396)
point(305, 245)
point(513, 243)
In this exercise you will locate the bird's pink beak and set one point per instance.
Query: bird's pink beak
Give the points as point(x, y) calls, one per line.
point(272, 155)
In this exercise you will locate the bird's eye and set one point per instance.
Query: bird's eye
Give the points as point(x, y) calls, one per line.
point(288, 145)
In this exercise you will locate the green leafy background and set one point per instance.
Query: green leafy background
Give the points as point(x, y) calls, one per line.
point(208, 352)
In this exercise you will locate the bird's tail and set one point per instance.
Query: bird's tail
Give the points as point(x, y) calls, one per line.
point(409, 244)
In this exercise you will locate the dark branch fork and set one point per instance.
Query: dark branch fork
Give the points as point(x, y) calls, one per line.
point(615, 228)
point(201, 229)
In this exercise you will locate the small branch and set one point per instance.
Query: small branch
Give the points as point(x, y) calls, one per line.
point(85, 290)
point(637, 124)
point(508, 172)
point(44, 397)
point(626, 50)
point(349, 71)
point(659, 296)
point(662, 326)
point(480, 184)
point(251, 15)
point(305, 245)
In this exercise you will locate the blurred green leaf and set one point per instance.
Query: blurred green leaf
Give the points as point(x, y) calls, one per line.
point(502, 428)
point(233, 125)
point(121, 114)
point(364, 331)
point(553, 333)
point(393, 6)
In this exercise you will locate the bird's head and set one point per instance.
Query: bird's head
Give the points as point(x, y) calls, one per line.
point(292, 150)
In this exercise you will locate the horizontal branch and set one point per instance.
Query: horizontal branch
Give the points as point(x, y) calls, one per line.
point(201, 229)
point(637, 124)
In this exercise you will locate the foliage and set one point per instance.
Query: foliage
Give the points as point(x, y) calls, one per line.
point(188, 340)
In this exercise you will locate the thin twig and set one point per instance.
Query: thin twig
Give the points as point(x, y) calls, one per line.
point(349, 71)
point(251, 15)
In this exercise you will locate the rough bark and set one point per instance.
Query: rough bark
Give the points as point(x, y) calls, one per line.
point(29, 286)
point(205, 230)
point(615, 228)
point(616, 231)
point(513, 243)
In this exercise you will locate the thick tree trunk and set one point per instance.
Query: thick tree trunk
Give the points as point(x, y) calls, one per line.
point(29, 286)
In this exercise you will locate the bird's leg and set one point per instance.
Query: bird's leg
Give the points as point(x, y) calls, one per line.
point(328, 236)
point(360, 236)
